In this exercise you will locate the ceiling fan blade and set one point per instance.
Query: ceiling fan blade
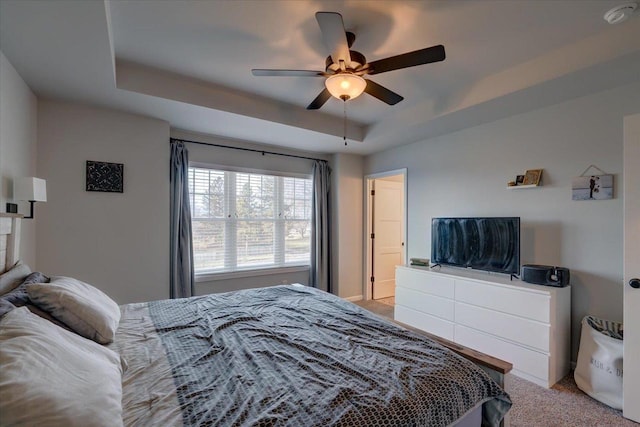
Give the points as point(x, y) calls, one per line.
point(382, 93)
point(287, 73)
point(320, 100)
point(409, 59)
point(334, 36)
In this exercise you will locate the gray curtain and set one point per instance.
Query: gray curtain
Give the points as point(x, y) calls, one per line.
point(320, 228)
point(181, 271)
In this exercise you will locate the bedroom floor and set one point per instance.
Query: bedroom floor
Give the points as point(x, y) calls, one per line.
point(564, 404)
point(382, 307)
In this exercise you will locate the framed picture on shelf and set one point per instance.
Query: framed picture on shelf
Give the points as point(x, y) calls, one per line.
point(532, 177)
point(519, 179)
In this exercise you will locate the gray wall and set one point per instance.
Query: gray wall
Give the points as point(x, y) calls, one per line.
point(18, 139)
point(347, 186)
point(466, 173)
point(118, 242)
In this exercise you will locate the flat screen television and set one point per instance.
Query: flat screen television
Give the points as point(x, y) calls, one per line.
point(490, 243)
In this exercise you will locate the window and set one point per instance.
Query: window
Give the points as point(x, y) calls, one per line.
point(244, 221)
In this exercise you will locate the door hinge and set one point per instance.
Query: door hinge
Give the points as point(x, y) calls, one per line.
point(373, 192)
point(373, 236)
point(372, 279)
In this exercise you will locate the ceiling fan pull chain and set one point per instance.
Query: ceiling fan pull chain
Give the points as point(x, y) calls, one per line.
point(344, 133)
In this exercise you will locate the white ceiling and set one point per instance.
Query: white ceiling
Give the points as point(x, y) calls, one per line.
point(189, 62)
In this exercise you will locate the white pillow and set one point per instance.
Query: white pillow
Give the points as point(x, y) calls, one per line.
point(53, 377)
point(82, 307)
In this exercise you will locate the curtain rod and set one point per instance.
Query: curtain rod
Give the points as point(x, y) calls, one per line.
point(263, 152)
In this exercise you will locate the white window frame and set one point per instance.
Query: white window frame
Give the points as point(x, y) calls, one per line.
point(231, 227)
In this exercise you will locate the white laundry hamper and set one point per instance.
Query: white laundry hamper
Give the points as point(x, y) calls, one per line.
point(599, 369)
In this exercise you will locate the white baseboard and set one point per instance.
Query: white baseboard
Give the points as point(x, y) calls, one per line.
point(354, 298)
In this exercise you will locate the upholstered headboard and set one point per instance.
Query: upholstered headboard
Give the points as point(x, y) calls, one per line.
point(9, 240)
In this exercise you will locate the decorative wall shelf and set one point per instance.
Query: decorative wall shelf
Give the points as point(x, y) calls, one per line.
point(531, 178)
point(520, 187)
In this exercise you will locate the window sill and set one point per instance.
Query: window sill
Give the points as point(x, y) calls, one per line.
point(212, 277)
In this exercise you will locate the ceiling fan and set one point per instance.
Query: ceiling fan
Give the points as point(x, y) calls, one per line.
point(345, 68)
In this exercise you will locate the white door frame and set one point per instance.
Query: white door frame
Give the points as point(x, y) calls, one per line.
point(366, 285)
point(631, 296)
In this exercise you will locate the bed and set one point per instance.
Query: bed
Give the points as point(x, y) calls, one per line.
point(278, 356)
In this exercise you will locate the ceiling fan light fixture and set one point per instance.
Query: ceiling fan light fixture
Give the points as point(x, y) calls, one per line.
point(620, 13)
point(345, 86)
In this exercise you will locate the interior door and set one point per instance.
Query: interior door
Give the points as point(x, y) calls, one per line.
point(631, 367)
point(388, 214)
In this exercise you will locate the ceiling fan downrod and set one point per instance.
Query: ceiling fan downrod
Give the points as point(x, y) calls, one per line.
point(344, 133)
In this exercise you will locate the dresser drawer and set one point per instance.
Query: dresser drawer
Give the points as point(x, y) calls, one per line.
point(511, 328)
point(528, 361)
point(425, 322)
point(531, 305)
point(426, 282)
point(426, 303)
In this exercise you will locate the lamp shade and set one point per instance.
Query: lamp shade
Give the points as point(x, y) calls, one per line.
point(345, 85)
point(31, 189)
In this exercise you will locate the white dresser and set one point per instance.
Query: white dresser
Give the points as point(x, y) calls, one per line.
point(524, 324)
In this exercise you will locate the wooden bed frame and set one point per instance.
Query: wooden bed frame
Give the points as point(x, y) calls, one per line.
point(496, 368)
point(9, 240)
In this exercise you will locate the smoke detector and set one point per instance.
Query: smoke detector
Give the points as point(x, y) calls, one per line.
point(620, 13)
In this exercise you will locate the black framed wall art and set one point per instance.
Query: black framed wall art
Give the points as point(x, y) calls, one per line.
point(105, 177)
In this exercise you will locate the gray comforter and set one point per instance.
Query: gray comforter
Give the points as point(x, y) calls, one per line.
point(290, 356)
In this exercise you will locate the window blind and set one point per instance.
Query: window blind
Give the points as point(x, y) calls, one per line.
point(246, 220)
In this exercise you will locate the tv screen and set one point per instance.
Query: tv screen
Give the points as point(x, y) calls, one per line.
point(491, 244)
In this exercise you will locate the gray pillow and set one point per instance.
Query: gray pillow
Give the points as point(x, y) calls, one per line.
point(85, 309)
point(13, 277)
point(19, 297)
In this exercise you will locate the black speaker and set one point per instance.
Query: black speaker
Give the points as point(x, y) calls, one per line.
point(547, 275)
